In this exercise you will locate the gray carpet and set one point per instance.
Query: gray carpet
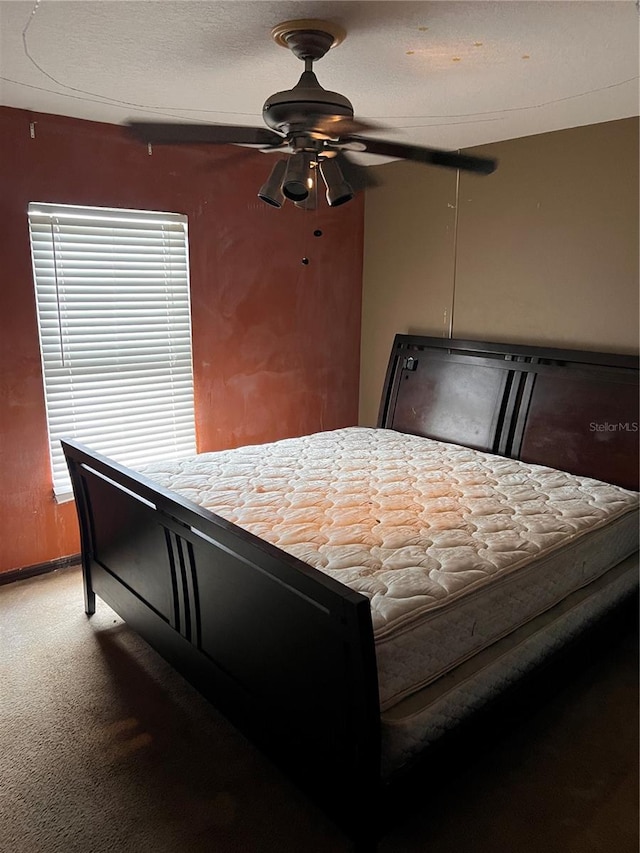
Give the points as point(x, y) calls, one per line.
point(104, 748)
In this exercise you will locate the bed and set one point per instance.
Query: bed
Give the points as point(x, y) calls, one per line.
point(349, 599)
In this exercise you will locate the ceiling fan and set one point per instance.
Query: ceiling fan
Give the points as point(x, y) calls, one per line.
point(314, 126)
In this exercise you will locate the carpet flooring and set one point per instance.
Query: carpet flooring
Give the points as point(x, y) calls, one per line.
point(105, 749)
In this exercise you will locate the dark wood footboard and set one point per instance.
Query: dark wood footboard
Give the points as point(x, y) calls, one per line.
point(283, 650)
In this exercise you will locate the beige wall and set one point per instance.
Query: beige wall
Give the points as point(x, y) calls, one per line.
point(408, 266)
point(545, 250)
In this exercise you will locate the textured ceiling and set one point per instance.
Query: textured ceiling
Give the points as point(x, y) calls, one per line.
point(447, 74)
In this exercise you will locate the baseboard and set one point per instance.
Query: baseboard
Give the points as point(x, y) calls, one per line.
point(39, 569)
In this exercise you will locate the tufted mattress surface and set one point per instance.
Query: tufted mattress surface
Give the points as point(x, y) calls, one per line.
point(455, 548)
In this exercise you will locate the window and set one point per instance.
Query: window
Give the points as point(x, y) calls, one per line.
point(112, 292)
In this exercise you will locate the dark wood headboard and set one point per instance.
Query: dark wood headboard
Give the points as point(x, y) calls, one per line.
point(570, 409)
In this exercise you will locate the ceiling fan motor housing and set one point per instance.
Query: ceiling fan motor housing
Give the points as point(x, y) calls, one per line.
point(307, 98)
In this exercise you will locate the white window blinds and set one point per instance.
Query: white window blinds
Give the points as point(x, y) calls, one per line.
point(112, 291)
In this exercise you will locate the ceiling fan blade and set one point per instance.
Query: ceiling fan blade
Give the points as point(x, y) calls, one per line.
point(418, 154)
point(360, 177)
point(171, 133)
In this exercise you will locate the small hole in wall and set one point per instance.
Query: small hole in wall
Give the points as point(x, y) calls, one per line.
point(317, 233)
point(305, 261)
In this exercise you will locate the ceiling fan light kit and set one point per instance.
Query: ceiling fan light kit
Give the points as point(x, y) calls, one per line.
point(297, 177)
point(271, 191)
point(314, 126)
point(338, 189)
point(310, 202)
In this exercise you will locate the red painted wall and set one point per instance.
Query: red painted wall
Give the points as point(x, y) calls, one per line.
point(276, 343)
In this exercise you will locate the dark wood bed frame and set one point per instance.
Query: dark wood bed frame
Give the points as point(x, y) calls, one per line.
point(285, 652)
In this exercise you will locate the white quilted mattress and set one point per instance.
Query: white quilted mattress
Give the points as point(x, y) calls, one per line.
point(422, 718)
point(455, 548)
